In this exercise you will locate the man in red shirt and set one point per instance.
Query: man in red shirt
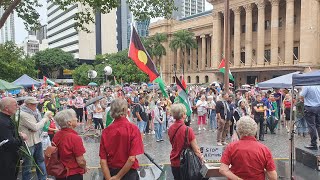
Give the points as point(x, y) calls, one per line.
point(120, 143)
point(248, 158)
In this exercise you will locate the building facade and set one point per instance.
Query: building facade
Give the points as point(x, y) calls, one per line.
point(40, 33)
point(186, 8)
point(124, 22)
point(31, 45)
point(8, 29)
point(268, 38)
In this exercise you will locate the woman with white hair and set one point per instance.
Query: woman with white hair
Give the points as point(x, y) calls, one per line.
point(70, 145)
point(212, 113)
point(248, 158)
point(202, 106)
point(177, 134)
point(158, 121)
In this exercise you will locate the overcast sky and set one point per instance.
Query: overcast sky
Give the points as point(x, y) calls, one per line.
point(21, 32)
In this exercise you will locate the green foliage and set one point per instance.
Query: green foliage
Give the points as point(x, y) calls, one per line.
point(80, 74)
point(183, 39)
point(51, 61)
point(122, 67)
point(14, 63)
point(153, 45)
point(141, 9)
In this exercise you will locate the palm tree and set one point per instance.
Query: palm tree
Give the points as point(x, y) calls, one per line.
point(183, 40)
point(158, 49)
point(147, 43)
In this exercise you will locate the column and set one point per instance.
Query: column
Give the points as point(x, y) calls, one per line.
point(199, 54)
point(261, 32)
point(216, 48)
point(185, 60)
point(210, 52)
point(237, 36)
point(289, 32)
point(191, 59)
point(179, 67)
point(203, 51)
point(248, 42)
point(274, 31)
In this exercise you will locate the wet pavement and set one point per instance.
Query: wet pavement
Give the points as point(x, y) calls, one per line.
point(278, 143)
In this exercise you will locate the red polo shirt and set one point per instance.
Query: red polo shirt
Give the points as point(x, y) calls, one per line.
point(248, 158)
point(70, 146)
point(119, 141)
point(178, 141)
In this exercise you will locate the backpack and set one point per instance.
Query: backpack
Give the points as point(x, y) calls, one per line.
point(190, 164)
point(54, 166)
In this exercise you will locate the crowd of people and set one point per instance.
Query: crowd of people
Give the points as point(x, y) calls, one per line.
point(123, 116)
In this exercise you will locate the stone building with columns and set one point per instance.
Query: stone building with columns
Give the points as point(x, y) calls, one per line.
point(268, 38)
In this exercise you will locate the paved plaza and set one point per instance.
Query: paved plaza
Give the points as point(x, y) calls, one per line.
point(278, 143)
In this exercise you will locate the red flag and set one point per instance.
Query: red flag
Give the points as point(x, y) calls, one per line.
point(33, 88)
point(183, 82)
point(140, 56)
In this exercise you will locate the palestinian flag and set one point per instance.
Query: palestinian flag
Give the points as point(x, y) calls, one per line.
point(115, 80)
point(184, 84)
point(162, 86)
point(49, 82)
point(140, 56)
point(183, 96)
point(109, 119)
point(222, 69)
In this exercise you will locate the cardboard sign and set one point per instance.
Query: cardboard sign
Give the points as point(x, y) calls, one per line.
point(212, 153)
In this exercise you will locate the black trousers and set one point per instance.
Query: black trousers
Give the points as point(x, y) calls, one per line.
point(312, 116)
point(176, 173)
point(8, 165)
point(73, 177)
point(132, 174)
point(98, 121)
point(260, 121)
point(79, 112)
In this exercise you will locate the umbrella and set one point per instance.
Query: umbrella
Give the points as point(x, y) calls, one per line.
point(92, 84)
point(93, 100)
point(22, 98)
point(4, 85)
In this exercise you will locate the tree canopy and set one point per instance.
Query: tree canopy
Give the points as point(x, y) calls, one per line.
point(122, 67)
point(141, 9)
point(51, 61)
point(14, 63)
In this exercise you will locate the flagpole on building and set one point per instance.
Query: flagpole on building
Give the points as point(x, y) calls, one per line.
point(226, 43)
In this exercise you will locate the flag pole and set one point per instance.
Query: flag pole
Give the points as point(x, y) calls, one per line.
point(226, 44)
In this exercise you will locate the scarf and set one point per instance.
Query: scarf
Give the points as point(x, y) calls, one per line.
point(36, 113)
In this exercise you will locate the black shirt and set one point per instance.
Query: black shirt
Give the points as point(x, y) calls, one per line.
point(141, 109)
point(259, 105)
point(220, 109)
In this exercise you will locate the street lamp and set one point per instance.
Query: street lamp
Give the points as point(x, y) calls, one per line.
point(92, 74)
point(107, 71)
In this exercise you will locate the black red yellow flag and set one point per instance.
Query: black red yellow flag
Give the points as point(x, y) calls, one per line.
point(140, 56)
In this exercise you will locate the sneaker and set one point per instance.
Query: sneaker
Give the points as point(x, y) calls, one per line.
point(153, 132)
point(199, 129)
point(219, 144)
point(161, 140)
point(157, 140)
point(204, 128)
point(224, 143)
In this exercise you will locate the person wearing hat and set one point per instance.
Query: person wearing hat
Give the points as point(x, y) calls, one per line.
point(31, 124)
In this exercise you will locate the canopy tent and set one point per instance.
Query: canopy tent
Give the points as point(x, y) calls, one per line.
point(306, 79)
point(284, 81)
point(26, 81)
point(4, 85)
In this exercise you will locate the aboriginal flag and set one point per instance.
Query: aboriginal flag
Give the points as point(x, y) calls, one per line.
point(140, 56)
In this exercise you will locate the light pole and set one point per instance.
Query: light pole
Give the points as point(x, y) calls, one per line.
point(107, 71)
point(226, 44)
point(92, 74)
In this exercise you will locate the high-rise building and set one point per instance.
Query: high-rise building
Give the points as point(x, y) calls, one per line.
point(143, 27)
point(62, 33)
point(124, 22)
point(187, 8)
point(30, 45)
point(40, 33)
point(8, 29)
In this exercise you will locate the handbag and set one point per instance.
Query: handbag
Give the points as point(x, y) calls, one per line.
point(190, 164)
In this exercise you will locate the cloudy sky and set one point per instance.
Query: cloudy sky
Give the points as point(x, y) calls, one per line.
point(21, 32)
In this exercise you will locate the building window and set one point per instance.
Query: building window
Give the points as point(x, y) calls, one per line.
point(232, 31)
point(243, 28)
point(280, 22)
point(197, 79)
point(254, 27)
point(173, 79)
point(189, 79)
point(243, 57)
point(206, 79)
point(295, 53)
point(267, 55)
point(267, 25)
point(295, 19)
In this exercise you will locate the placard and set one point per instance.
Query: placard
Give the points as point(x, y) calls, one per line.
point(212, 153)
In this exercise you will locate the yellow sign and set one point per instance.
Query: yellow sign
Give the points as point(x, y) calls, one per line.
point(67, 72)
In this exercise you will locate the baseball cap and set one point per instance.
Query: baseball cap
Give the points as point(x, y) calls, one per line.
point(31, 100)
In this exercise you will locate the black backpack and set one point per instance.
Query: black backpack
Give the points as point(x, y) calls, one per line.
point(190, 164)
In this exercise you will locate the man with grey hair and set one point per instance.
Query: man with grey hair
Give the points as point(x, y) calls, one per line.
point(223, 118)
point(10, 142)
point(236, 154)
point(31, 124)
